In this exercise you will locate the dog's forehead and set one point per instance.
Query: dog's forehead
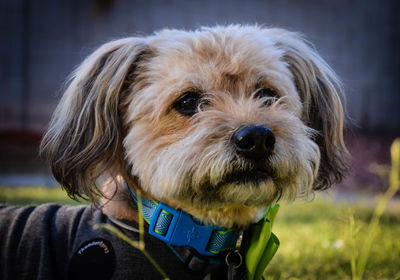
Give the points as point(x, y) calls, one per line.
point(214, 58)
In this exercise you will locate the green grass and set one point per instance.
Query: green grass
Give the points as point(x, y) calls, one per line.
point(35, 195)
point(315, 236)
point(316, 242)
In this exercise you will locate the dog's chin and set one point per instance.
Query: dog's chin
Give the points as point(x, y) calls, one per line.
point(222, 213)
point(235, 201)
point(252, 187)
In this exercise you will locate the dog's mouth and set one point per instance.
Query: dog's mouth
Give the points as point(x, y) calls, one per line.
point(246, 177)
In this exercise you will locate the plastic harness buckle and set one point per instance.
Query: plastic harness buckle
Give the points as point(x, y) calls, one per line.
point(178, 228)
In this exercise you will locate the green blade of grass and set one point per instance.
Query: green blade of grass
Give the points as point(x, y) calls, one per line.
point(135, 244)
point(361, 260)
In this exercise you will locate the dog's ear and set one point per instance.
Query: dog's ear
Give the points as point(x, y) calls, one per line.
point(320, 92)
point(85, 135)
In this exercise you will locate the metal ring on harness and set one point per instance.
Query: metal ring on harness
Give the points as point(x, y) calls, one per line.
point(233, 254)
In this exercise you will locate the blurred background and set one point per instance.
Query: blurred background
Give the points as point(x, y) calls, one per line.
point(43, 41)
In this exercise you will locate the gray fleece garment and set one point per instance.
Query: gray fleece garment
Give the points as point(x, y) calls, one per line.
point(58, 242)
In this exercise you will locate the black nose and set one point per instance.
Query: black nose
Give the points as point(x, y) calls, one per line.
point(254, 142)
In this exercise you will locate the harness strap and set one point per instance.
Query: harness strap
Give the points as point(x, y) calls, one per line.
point(178, 228)
point(200, 247)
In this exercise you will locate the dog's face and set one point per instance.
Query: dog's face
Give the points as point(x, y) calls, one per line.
point(220, 122)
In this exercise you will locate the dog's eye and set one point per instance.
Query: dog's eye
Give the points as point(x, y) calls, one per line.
point(266, 93)
point(188, 103)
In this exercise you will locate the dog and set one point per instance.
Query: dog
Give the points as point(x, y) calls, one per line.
point(220, 123)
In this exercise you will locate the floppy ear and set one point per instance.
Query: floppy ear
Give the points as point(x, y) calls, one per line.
point(85, 135)
point(319, 90)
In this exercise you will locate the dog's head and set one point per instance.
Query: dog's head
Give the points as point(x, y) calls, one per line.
point(220, 122)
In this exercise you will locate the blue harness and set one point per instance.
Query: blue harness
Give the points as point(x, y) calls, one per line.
point(199, 246)
point(178, 228)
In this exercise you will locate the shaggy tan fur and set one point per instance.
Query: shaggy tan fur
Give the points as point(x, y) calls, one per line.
point(117, 120)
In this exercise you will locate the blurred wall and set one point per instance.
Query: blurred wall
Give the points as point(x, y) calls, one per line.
point(43, 41)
